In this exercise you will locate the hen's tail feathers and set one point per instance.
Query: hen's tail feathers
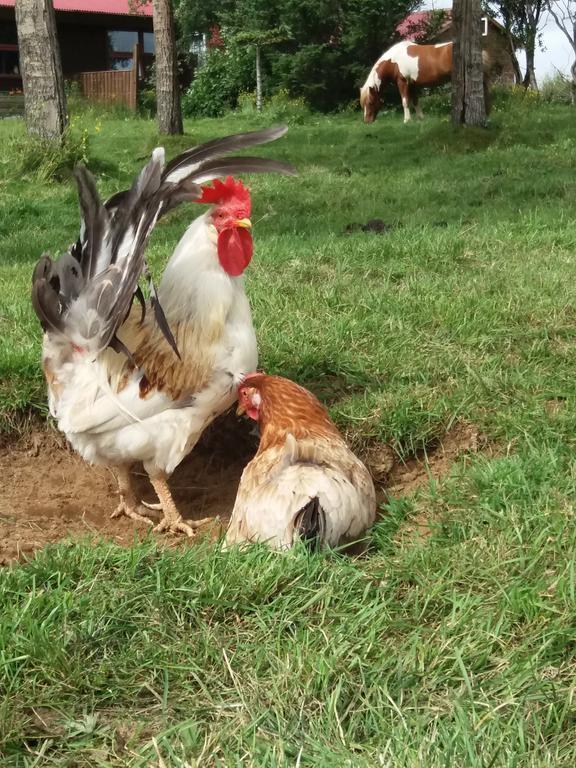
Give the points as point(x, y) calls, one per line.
point(310, 524)
point(87, 293)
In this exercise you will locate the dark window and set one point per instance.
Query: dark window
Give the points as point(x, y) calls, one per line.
point(9, 64)
point(149, 42)
point(122, 42)
point(8, 34)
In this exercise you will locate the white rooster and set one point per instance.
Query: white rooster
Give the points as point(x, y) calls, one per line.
point(126, 385)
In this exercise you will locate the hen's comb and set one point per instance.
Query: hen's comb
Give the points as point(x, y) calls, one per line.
point(221, 191)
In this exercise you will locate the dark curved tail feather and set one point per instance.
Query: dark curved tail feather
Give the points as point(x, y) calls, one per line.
point(310, 523)
point(87, 293)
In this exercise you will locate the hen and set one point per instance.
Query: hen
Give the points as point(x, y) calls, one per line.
point(128, 385)
point(304, 482)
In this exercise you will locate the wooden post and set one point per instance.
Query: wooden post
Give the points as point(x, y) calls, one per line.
point(133, 102)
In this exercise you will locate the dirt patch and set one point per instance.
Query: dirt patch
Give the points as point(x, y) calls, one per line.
point(436, 461)
point(400, 478)
point(49, 493)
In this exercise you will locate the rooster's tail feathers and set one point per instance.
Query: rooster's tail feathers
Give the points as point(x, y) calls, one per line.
point(87, 293)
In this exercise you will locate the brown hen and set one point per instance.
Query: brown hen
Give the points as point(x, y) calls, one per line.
point(304, 483)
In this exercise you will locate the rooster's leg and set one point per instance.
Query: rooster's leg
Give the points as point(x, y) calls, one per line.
point(172, 520)
point(128, 505)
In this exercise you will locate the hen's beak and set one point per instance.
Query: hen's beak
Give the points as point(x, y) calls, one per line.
point(245, 223)
point(240, 411)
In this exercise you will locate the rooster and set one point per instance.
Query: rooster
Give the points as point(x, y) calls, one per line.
point(304, 483)
point(127, 384)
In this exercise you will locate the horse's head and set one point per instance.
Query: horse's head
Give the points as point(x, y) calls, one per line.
point(370, 102)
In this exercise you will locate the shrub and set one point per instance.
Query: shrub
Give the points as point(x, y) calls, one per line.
point(147, 102)
point(280, 107)
point(49, 160)
point(314, 73)
point(507, 97)
point(218, 83)
point(438, 101)
point(556, 90)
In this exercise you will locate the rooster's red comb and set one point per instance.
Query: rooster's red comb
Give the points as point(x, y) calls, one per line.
point(222, 191)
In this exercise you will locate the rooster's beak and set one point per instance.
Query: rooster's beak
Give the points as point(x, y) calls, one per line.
point(245, 223)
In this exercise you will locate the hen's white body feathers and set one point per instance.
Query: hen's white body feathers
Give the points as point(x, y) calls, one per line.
point(281, 480)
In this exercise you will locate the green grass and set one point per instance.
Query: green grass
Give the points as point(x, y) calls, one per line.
point(454, 651)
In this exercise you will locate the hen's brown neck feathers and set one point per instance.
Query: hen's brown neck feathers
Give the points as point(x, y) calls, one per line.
point(289, 408)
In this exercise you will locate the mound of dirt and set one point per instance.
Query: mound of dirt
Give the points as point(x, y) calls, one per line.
point(49, 493)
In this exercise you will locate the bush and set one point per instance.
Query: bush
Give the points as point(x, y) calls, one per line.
point(147, 102)
point(509, 97)
point(314, 73)
point(556, 90)
point(49, 160)
point(280, 107)
point(437, 101)
point(217, 85)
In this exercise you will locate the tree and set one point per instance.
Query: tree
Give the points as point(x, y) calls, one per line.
point(564, 14)
point(468, 102)
point(261, 38)
point(503, 9)
point(532, 17)
point(169, 111)
point(522, 20)
point(332, 43)
point(41, 67)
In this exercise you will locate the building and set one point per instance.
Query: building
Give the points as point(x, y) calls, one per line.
point(94, 35)
point(436, 27)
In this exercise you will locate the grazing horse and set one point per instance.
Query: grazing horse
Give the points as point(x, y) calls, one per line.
point(411, 66)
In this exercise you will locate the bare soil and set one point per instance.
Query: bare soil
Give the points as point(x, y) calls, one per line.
point(49, 493)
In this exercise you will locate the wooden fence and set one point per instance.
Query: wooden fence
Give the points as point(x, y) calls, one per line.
point(113, 86)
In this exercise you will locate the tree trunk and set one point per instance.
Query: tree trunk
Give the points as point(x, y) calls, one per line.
point(573, 67)
point(515, 62)
point(468, 105)
point(530, 76)
point(41, 67)
point(258, 80)
point(169, 111)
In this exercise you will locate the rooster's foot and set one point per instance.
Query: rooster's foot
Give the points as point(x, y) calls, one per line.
point(177, 525)
point(172, 521)
point(131, 511)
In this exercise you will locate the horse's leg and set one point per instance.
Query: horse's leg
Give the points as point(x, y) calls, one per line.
point(414, 94)
point(404, 93)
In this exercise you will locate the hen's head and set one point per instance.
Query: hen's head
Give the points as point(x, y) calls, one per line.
point(281, 406)
point(231, 218)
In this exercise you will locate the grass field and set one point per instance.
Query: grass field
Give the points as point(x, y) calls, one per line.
point(455, 649)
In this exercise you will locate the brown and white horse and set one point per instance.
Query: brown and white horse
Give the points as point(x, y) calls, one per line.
point(411, 66)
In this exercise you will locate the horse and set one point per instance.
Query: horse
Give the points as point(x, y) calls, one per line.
point(411, 66)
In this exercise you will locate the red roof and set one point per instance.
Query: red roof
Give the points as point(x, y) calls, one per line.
point(116, 7)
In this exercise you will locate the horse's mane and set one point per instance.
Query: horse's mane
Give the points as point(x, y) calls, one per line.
point(372, 81)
